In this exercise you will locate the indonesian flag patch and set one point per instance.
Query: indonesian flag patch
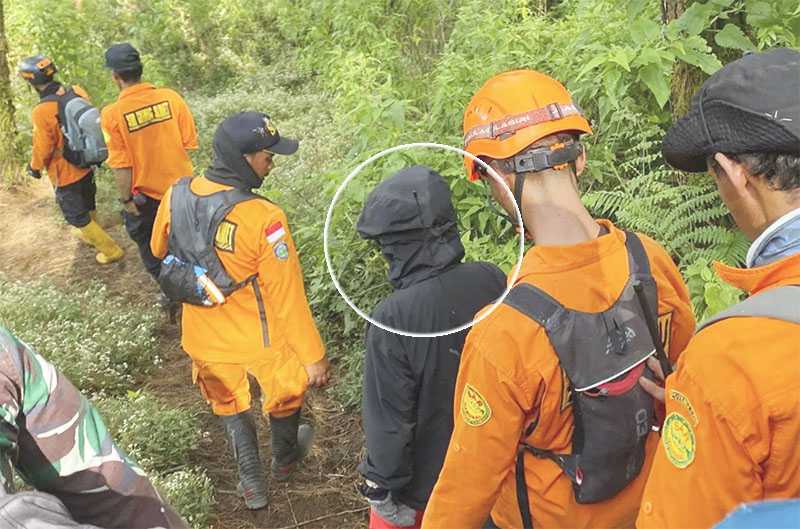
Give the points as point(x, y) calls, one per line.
point(275, 232)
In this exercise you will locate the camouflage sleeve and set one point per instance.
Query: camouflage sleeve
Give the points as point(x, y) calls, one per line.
point(64, 448)
point(10, 391)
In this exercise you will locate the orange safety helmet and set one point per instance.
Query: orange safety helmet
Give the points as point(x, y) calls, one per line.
point(515, 109)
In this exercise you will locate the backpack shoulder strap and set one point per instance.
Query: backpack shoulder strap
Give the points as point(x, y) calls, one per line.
point(536, 304)
point(637, 256)
point(781, 303)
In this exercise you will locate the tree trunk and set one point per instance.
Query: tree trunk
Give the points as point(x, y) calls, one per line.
point(686, 79)
point(8, 128)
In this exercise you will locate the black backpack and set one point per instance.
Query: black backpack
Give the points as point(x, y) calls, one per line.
point(603, 355)
point(194, 221)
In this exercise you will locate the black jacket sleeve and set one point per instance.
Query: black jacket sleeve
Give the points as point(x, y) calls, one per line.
point(388, 409)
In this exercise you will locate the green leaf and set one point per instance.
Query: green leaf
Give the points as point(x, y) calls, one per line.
point(695, 19)
point(648, 56)
point(635, 7)
point(656, 80)
point(732, 36)
point(622, 57)
point(695, 51)
point(644, 31)
point(611, 79)
point(592, 64)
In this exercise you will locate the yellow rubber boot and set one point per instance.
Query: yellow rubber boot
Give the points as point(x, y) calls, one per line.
point(108, 250)
point(78, 232)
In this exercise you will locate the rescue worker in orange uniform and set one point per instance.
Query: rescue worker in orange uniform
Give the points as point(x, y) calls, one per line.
point(733, 403)
point(513, 385)
point(74, 186)
point(264, 328)
point(149, 132)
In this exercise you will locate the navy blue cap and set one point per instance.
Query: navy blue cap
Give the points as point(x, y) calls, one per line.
point(121, 57)
point(254, 131)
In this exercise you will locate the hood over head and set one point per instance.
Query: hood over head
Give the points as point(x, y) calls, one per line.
point(411, 216)
point(240, 134)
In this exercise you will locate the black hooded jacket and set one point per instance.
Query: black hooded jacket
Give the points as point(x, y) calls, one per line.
point(407, 403)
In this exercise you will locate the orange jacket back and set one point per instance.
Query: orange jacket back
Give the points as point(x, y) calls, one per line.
point(150, 130)
point(732, 427)
point(510, 376)
point(271, 318)
point(48, 144)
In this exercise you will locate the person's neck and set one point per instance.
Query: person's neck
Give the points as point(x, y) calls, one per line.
point(123, 85)
point(775, 205)
point(554, 214)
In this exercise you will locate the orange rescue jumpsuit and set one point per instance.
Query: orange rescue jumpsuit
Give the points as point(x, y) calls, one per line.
point(228, 341)
point(510, 375)
point(733, 415)
point(48, 143)
point(150, 129)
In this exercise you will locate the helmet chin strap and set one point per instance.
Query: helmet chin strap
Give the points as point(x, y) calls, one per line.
point(537, 159)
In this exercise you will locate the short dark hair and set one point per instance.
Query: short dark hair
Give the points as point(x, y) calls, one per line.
point(134, 75)
point(780, 171)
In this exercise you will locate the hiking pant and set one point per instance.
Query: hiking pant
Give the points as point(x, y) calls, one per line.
point(226, 387)
point(140, 228)
point(76, 200)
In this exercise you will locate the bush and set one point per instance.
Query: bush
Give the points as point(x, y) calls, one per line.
point(190, 492)
point(100, 344)
point(159, 437)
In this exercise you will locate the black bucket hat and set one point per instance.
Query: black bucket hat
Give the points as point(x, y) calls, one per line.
point(750, 105)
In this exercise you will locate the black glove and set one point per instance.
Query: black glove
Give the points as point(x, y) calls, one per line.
point(32, 172)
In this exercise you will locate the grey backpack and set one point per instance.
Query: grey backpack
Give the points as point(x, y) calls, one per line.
point(781, 303)
point(79, 121)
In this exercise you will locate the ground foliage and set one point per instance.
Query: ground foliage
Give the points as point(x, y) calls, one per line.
point(351, 78)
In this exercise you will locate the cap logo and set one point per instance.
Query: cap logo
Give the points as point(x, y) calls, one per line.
point(774, 116)
point(43, 64)
point(270, 127)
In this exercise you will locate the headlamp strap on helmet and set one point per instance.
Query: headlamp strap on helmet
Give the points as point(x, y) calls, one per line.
point(555, 156)
point(512, 124)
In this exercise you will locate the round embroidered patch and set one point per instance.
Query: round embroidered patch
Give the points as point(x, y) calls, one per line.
point(281, 251)
point(678, 440)
point(475, 409)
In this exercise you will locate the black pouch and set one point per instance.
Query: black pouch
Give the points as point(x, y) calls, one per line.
point(179, 283)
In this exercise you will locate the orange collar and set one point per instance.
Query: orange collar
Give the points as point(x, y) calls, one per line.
point(552, 259)
point(753, 280)
point(135, 89)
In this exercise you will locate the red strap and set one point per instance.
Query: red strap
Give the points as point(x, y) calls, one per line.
point(516, 122)
point(625, 384)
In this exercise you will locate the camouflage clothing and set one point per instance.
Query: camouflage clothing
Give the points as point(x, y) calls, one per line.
point(58, 444)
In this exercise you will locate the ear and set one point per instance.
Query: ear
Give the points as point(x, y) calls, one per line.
point(734, 172)
point(580, 161)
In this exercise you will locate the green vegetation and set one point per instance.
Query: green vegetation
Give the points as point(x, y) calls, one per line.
point(354, 77)
point(100, 344)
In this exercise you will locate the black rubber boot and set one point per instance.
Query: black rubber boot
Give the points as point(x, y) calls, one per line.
point(291, 442)
point(241, 430)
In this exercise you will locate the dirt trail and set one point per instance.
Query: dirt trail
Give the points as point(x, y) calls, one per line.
point(36, 243)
